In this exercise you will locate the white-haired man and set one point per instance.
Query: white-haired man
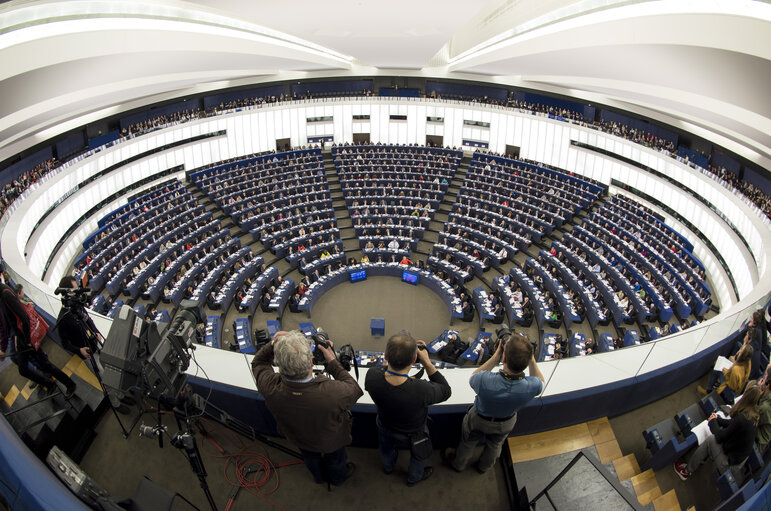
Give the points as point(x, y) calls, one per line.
point(312, 412)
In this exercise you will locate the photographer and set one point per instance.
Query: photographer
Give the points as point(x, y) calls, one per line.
point(402, 405)
point(15, 338)
point(314, 413)
point(499, 396)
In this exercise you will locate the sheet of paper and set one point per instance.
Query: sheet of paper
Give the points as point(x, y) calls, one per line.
point(722, 364)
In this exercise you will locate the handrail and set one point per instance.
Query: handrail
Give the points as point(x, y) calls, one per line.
point(614, 482)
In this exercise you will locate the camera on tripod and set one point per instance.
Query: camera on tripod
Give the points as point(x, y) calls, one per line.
point(74, 298)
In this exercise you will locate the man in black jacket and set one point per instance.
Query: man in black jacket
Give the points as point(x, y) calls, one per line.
point(402, 405)
point(83, 341)
point(11, 311)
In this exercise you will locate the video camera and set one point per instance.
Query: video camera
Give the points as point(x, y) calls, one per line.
point(137, 356)
point(74, 298)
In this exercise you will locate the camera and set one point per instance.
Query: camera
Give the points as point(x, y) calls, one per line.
point(347, 357)
point(503, 335)
point(320, 338)
point(74, 298)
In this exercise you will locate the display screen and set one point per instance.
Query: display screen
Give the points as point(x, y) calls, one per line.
point(356, 276)
point(410, 278)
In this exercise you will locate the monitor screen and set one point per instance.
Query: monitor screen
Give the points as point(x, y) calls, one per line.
point(358, 275)
point(410, 278)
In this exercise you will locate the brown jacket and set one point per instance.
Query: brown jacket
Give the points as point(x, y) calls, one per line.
point(315, 416)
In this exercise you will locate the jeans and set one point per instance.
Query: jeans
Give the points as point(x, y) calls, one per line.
point(14, 358)
point(330, 467)
point(715, 380)
point(474, 430)
point(390, 442)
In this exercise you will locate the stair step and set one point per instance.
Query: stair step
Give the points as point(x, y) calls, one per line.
point(601, 430)
point(549, 443)
point(12, 395)
point(608, 451)
point(646, 487)
point(667, 502)
point(626, 467)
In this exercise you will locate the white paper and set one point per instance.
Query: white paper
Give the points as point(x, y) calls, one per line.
point(722, 364)
point(702, 431)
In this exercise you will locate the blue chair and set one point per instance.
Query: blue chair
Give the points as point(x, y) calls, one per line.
point(307, 328)
point(687, 419)
point(273, 327)
point(631, 338)
point(661, 440)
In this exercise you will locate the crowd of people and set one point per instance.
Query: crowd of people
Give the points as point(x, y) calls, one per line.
point(752, 192)
point(12, 190)
point(745, 385)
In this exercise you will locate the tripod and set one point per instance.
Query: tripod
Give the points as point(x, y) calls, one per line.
point(185, 441)
point(78, 313)
point(185, 438)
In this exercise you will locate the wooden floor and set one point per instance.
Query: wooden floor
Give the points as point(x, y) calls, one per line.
point(596, 433)
point(599, 434)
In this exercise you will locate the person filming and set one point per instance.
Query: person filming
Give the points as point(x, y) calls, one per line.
point(80, 337)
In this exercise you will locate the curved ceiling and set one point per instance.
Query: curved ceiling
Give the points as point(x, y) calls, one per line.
point(703, 66)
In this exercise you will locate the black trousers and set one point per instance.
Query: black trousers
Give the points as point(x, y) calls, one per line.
point(330, 467)
point(28, 356)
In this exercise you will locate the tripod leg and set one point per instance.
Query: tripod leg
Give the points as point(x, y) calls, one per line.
point(95, 369)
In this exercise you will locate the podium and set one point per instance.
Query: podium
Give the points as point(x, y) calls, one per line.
point(377, 326)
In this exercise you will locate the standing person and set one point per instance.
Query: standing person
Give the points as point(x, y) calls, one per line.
point(11, 314)
point(499, 396)
point(84, 339)
point(402, 405)
point(314, 413)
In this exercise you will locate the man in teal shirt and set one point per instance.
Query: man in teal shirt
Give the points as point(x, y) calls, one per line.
point(499, 396)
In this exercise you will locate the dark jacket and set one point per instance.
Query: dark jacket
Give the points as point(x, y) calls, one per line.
point(73, 334)
point(315, 416)
point(404, 408)
point(11, 309)
point(735, 436)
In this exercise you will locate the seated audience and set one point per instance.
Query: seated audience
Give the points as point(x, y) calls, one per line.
point(731, 439)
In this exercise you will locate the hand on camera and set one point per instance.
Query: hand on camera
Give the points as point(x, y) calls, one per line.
point(423, 355)
point(85, 353)
point(329, 353)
